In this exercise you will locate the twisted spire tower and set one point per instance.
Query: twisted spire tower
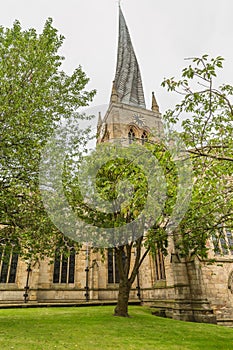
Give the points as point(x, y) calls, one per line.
point(128, 81)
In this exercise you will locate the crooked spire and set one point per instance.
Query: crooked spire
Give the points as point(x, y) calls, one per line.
point(128, 82)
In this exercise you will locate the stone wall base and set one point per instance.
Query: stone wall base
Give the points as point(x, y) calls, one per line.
point(184, 310)
point(226, 323)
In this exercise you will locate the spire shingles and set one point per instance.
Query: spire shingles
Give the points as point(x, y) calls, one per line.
point(128, 82)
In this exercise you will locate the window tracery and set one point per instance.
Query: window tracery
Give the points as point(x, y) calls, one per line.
point(131, 135)
point(144, 137)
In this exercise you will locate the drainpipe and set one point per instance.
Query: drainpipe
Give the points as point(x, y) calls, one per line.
point(138, 287)
point(27, 282)
point(87, 275)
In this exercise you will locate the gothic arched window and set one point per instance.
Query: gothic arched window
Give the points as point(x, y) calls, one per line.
point(159, 266)
point(223, 242)
point(144, 137)
point(64, 267)
point(8, 264)
point(131, 135)
point(113, 272)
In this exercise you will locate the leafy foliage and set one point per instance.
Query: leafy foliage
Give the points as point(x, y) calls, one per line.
point(35, 94)
point(206, 112)
point(117, 191)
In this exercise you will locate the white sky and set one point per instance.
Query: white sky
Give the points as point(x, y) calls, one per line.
point(163, 33)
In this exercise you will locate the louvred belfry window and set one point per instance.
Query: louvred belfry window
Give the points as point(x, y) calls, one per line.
point(131, 135)
point(144, 137)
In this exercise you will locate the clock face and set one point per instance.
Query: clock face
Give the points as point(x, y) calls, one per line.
point(139, 120)
point(102, 130)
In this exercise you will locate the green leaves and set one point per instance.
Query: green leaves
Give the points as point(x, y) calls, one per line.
point(34, 96)
point(207, 129)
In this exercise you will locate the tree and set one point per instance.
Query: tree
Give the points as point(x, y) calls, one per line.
point(206, 112)
point(35, 95)
point(124, 197)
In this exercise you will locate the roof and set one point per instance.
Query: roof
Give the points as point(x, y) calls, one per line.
point(128, 82)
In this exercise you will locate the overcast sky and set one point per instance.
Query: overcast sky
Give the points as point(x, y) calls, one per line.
point(163, 33)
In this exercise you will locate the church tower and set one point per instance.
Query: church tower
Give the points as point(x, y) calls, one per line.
point(127, 117)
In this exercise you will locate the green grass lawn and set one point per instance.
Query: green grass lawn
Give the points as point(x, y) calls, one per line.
point(95, 328)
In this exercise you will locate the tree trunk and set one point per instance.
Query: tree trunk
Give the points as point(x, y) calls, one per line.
point(123, 298)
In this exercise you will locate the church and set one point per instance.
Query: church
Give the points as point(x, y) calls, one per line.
point(184, 290)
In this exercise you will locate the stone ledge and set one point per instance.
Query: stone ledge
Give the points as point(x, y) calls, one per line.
point(79, 303)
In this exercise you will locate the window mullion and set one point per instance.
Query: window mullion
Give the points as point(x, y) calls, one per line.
point(9, 267)
point(60, 268)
